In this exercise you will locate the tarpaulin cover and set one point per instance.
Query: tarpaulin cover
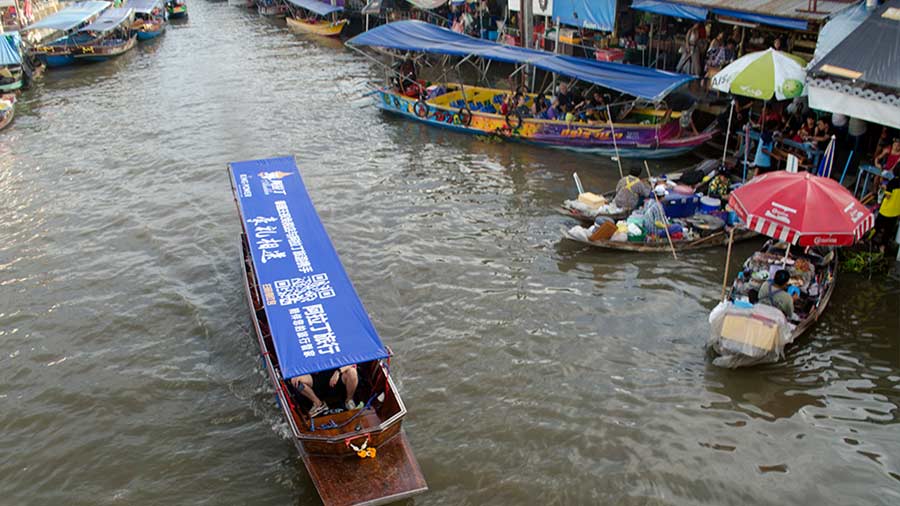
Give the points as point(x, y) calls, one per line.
point(315, 317)
point(873, 49)
point(9, 49)
point(763, 19)
point(411, 35)
point(320, 8)
point(427, 4)
point(839, 27)
point(70, 17)
point(591, 14)
point(144, 6)
point(743, 336)
point(109, 20)
point(672, 9)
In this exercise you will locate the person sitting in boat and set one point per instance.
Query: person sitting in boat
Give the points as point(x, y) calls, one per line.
point(775, 293)
point(522, 107)
point(539, 107)
point(630, 190)
point(552, 112)
point(564, 95)
point(327, 384)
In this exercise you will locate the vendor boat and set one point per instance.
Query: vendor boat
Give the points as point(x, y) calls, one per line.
point(149, 18)
point(176, 9)
point(643, 127)
point(110, 35)
point(659, 243)
point(312, 16)
point(12, 75)
point(308, 318)
point(64, 26)
point(7, 110)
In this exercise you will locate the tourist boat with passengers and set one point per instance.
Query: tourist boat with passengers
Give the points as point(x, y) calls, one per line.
point(312, 16)
point(149, 18)
point(7, 110)
point(642, 126)
point(110, 35)
point(63, 27)
point(176, 9)
point(308, 318)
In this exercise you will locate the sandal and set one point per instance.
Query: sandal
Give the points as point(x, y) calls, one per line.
point(318, 410)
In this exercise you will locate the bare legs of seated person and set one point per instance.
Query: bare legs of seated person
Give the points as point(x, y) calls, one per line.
point(347, 375)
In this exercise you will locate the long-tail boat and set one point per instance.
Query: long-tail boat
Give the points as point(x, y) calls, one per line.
point(313, 16)
point(110, 35)
point(176, 9)
point(308, 318)
point(641, 127)
point(63, 27)
point(149, 18)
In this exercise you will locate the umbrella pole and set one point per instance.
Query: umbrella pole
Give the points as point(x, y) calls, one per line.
point(727, 262)
point(727, 131)
point(762, 119)
point(746, 149)
point(615, 144)
point(665, 218)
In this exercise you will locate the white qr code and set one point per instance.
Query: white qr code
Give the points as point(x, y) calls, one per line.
point(303, 289)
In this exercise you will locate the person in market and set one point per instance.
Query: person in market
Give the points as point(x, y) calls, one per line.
point(888, 213)
point(630, 190)
point(888, 158)
point(762, 162)
point(775, 293)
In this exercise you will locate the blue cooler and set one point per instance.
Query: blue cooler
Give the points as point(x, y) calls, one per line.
point(709, 205)
point(678, 205)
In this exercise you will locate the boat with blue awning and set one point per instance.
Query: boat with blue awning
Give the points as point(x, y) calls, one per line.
point(309, 321)
point(11, 73)
point(638, 124)
point(149, 18)
point(110, 35)
point(313, 16)
point(64, 26)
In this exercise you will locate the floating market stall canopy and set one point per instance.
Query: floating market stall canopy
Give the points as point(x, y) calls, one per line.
point(70, 17)
point(671, 9)
point(109, 20)
point(320, 8)
point(9, 49)
point(590, 14)
point(315, 317)
point(633, 80)
point(427, 4)
point(860, 77)
point(789, 14)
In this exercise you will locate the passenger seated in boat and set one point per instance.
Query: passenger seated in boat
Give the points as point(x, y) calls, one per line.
point(326, 383)
point(630, 190)
point(564, 95)
point(539, 107)
point(522, 107)
point(775, 293)
point(552, 112)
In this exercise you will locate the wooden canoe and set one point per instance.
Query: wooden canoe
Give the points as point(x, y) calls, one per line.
point(320, 27)
point(711, 241)
point(341, 477)
point(7, 112)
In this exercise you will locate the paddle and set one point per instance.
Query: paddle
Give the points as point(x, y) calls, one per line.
point(665, 218)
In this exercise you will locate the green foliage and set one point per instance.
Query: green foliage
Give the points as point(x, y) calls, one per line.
point(864, 261)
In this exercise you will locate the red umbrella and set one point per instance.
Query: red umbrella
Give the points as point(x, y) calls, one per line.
point(801, 208)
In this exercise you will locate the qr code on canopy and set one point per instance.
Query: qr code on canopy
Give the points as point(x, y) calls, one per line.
point(303, 289)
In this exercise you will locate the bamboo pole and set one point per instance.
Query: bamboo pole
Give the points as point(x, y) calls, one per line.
point(665, 218)
point(728, 131)
point(615, 144)
point(727, 262)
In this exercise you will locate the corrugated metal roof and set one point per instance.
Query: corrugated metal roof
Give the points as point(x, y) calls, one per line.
point(783, 8)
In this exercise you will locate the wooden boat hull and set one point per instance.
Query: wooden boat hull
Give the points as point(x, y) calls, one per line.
point(149, 31)
point(11, 86)
point(714, 240)
point(7, 115)
point(632, 139)
point(324, 28)
point(98, 53)
point(56, 59)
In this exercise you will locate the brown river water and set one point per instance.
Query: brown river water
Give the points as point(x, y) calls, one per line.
point(535, 371)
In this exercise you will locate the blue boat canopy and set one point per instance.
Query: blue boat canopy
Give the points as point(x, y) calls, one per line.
point(590, 14)
point(320, 8)
point(109, 20)
point(144, 6)
point(315, 317)
point(70, 17)
point(671, 9)
point(412, 35)
point(764, 19)
point(9, 49)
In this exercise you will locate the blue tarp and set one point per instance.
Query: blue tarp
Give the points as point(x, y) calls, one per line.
point(320, 8)
point(144, 6)
point(839, 27)
point(109, 20)
point(591, 14)
point(672, 9)
point(9, 49)
point(763, 19)
point(637, 81)
point(70, 17)
point(315, 316)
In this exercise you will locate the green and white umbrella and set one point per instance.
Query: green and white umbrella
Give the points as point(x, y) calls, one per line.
point(762, 75)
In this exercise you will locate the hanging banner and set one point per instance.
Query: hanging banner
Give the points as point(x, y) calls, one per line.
point(538, 7)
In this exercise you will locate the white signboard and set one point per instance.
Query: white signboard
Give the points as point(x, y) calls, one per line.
point(539, 7)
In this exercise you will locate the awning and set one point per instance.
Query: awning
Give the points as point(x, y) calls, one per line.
point(109, 20)
point(315, 317)
point(838, 28)
point(671, 9)
point(9, 49)
point(764, 19)
point(633, 80)
point(320, 8)
point(144, 6)
point(427, 4)
point(590, 14)
point(70, 17)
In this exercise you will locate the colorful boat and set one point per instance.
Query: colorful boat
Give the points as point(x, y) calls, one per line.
point(110, 35)
point(64, 26)
point(11, 72)
point(7, 110)
point(310, 16)
point(176, 9)
point(308, 319)
point(149, 18)
point(643, 127)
